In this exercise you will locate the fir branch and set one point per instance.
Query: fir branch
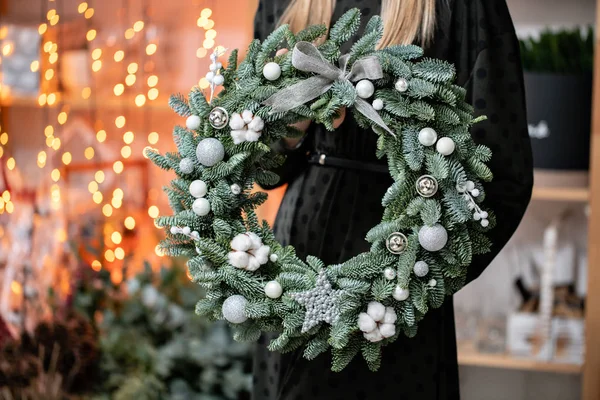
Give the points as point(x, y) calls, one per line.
point(179, 104)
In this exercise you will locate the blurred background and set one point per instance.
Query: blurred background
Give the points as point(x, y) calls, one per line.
point(90, 308)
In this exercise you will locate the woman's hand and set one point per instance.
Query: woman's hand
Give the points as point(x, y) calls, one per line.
point(304, 125)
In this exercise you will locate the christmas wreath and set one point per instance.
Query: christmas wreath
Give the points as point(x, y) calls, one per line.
point(431, 227)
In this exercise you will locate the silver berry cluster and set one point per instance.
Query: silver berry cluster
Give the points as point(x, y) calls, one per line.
point(470, 192)
point(186, 231)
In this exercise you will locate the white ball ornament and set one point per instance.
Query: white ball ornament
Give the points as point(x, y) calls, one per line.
point(174, 230)
point(421, 269)
point(389, 274)
point(186, 230)
point(193, 122)
point(272, 71)
point(470, 185)
point(186, 166)
point(273, 290)
point(433, 238)
point(210, 76)
point(236, 189)
point(378, 104)
point(400, 294)
point(201, 207)
point(476, 216)
point(273, 257)
point(234, 309)
point(432, 283)
point(401, 85)
point(445, 146)
point(215, 66)
point(485, 223)
point(210, 151)
point(475, 192)
point(218, 80)
point(365, 89)
point(427, 137)
point(198, 188)
point(484, 214)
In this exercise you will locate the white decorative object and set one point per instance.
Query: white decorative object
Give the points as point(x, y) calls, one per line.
point(215, 66)
point(246, 127)
point(186, 230)
point(378, 104)
point(421, 269)
point(186, 165)
point(210, 76)
point(248, 252)
point(432, 283)
point(236, 189)
point(198, 188)
point(174, 230)
point(273, 257)
point(322, 303)
point(401, 85)
point(219, 80)
point(272, 71)
point(400, 294)
point(433, 238)
point(378, 322)
point(445, 146)
point(389, 274)
point(427, 186)
point(234, 309)
point(365, 89)
point(201, 207)
point(193, 122)
point(427, 136)
point(273, 290)
point(470, 192)
point(210, 151)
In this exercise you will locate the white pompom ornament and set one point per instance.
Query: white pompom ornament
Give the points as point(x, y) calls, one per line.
point(210, 76)
point(433, 238)
point(234, 309)
point(365, 89)
point(475, 192)
point(198, 188)
point(272, 71)
point(193, 122)
point(201, 207)
point(273, 290)
point(210, 151)
point(445, 146)
point(400, 294)
point(427, 137)
point(186, 230)
point(219, 80)
point(378, 104)
point(273, 257)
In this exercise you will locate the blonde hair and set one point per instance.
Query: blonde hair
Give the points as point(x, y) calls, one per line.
point(405, 21)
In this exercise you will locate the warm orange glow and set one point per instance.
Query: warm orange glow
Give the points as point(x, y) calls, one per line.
point(126, 151)
point(42, 99)
point(42, 156)
point(89, 13)
point(93, 187)
point(116, 276)
point(138, 26)
point(10, 207)
point(49, 131)
point(132, 68)
point(82, 7)
point(53, 58)
point(89, 153)
point(96, 54)
point(61, 235)
point(67, 158)
point(116, 237)
point(153, 137)
point(55, 175)
point(42, 28)
point(97, 65)
point(128, 137)
point(50, 141)
point(47, 46)
point(99, 176)
point(51, 99)
point(130, 222)
point(16, 287)
point(119, 55)
point(4, 138)
point(50, 14)
point(11, 164)
point(109, 255)
point(209, 24)
point(152, 80)
point(86, 93)
point(119, 89)
point(49, 74)
point(91, 35)
point(153, 94)
point(118, 167)
point(201, 52)
point(201, 21)
point(119, 253)
point(120, 121)
point(107, 210)
point(34, 66)
point(130, 80)
point(140, 100)
point(101, 136)
point(208, 43)
point(6, 196)
point(97, 197)
point(96, 265)
point(1, 151)
point(151, 49)
point(204, 84)
point(153, 212)
point(129, 33)
point(56, 144)
point(62, 118)
point(54, 48)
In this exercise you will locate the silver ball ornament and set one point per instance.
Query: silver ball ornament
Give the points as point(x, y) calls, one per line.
point(219, 80)
point(174, 230)
point(485, 223)
point(475, 192)
point(389, 274)
point(484, 214)
point(378, 104)
point(433, 238)
point(432, 283)
point(365, 89)
point(396, 243)
point(210, 76)
point(401, 85)
point(272, 71)
point(427, 186)
point(273, 290)
point(210, 151)
point(201, 207)
point(421, 269)
point(236, 189)
point(234, 309)
point(427, 136)
point(186, 165)
point(193, 122)
point(186, 230)
point(198, 188)
point(218, 118)
point(445, 146)
point(400, 294)
point(216, 66)
point(470, 185)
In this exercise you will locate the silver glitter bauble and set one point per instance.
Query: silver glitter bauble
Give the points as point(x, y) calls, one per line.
point(421, 269)
point(186, 165)
point(234, 309)
point(433, 238)
point(218, 118)
point(210, 151)
point(427, 186)
point(396, 243)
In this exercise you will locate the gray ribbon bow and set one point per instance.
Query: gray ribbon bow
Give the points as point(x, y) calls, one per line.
point(306, 57)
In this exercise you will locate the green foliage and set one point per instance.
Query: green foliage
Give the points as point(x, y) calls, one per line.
point(345, 27)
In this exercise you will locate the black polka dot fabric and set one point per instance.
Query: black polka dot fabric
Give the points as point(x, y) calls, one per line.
point(327, 211)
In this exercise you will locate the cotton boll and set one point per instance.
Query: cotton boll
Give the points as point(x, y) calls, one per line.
point(257, 124)
point(252, 136)
point(247, 116)
point(376, 310)
point(262, 254)
point(253, 263)
point(387, 330)
point(374, 336)
point(366, 323)
point(390, 316)
point(238, 259)
point(241, 242)
point(238, 136)
point(255, 240)
point(236, 122)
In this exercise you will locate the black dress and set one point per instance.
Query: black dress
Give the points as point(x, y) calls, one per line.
point(327, 211)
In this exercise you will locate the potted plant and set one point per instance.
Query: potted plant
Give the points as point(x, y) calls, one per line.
point(558, 86)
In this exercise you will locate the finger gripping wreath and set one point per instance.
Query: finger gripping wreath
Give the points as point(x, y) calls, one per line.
point(433, 220)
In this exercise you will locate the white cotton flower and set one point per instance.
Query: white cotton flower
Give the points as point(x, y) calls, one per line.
point(236, 122)
point(366, 323)
point(253, 263)
point(238, 259)
point(262, 254)
point(257, 124)
point(255, 240)
point(376, 310)
point(390, 316)
point(238, 136)
point(387, 330)
point(374, 336)
point(252, 136)
point(241, 242)
point(247, 116)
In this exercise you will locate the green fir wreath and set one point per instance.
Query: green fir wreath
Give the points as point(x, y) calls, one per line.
point(432, 223)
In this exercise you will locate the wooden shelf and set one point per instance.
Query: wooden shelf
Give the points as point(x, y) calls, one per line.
point(561, 194)
point(467, 357)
